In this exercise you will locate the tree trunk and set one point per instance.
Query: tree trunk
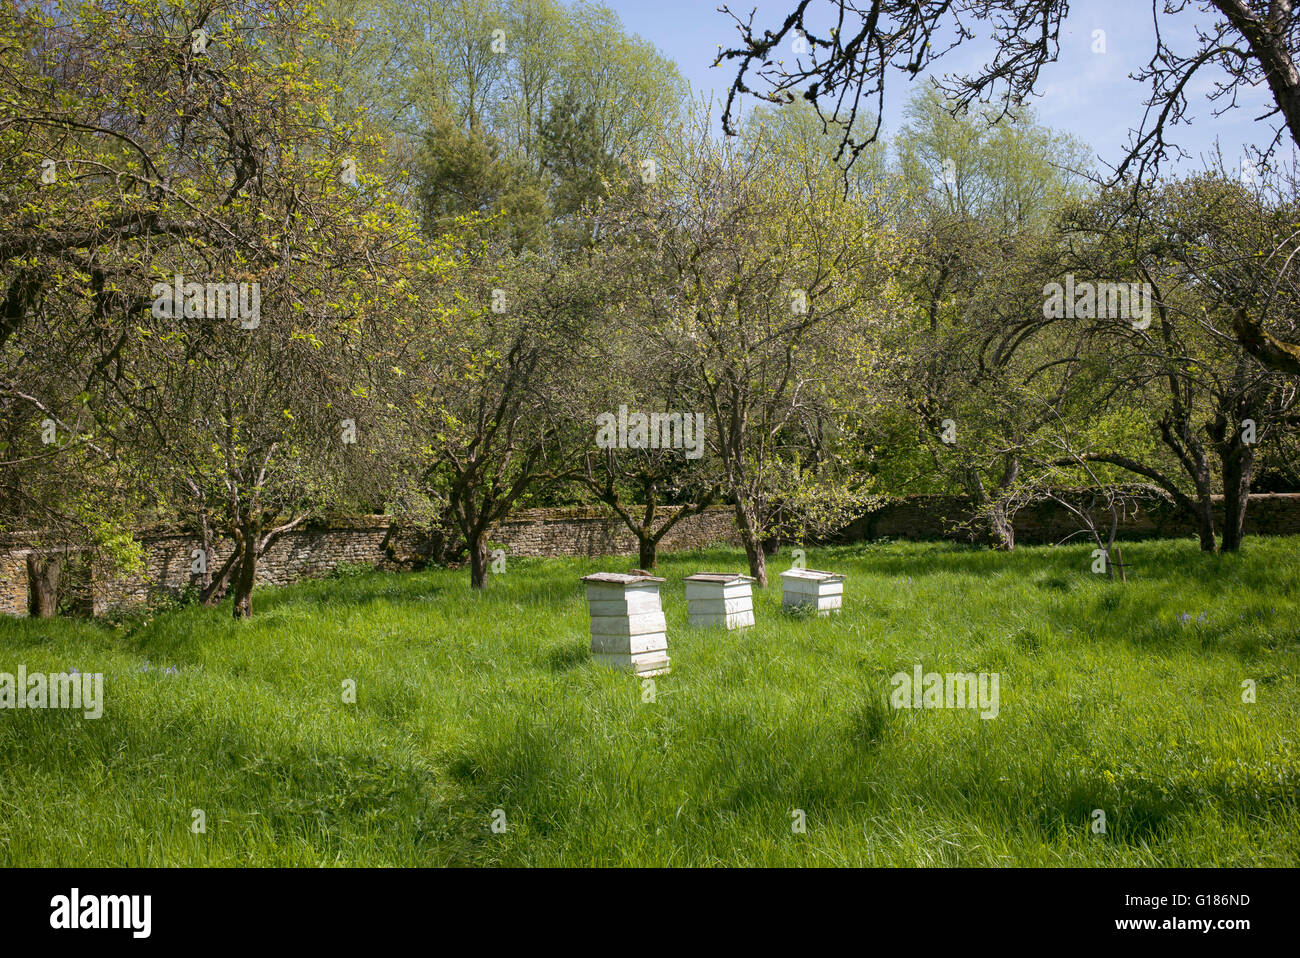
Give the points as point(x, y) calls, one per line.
point(478, 564)
point(214, 590)
point(1002, 534)
point(753, 547)
point(43, 583)
point(1004, 530)
point(1001, 528)
point(1205, 523)
point(647, 552)
point(205, 578)
point(1238, 468)
point(246, 572)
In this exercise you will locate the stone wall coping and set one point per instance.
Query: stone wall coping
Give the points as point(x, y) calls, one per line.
point(569, 513)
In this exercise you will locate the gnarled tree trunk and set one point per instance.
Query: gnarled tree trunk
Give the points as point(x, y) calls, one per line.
point(1238, 470)
point(647, 551)
point(753, 546)
point(1001, 529)
point(43, 585)
point(1203, 515)
point(478, 561)
point(248, 538)
point(993, 509)
point(214, 590)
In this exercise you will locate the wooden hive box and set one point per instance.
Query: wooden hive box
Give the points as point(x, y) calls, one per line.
point(823, 592)
point(720, 598)
point(628, 630)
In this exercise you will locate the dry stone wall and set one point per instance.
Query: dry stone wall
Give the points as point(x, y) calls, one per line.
point(314, 552)
point(310, 553)
point(943, 517)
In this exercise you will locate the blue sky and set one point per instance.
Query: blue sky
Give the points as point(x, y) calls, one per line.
point(1087, 94)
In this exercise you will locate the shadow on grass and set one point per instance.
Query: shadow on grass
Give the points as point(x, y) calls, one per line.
point(570, 655)
point(359, 589)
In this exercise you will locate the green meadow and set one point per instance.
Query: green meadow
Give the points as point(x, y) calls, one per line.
point(475, 710)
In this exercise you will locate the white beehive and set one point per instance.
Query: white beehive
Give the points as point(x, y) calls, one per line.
point(823, 592)
point(720, 598)
point(628, 630)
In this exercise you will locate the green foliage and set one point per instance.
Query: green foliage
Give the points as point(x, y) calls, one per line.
point(466, 172)
point(350, 570)
point(541, 228)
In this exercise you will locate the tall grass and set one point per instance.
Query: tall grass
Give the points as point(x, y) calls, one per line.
point(1124, 698)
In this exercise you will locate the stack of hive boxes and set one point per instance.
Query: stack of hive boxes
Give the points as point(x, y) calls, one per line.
point(628, 630)
point(720, 598)
point(822, 592)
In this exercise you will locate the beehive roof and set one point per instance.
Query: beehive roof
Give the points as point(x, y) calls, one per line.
point(620, 578)
point(718, 577)
point(814, 575)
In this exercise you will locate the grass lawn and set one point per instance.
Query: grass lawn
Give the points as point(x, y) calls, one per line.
point(1125, 698)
